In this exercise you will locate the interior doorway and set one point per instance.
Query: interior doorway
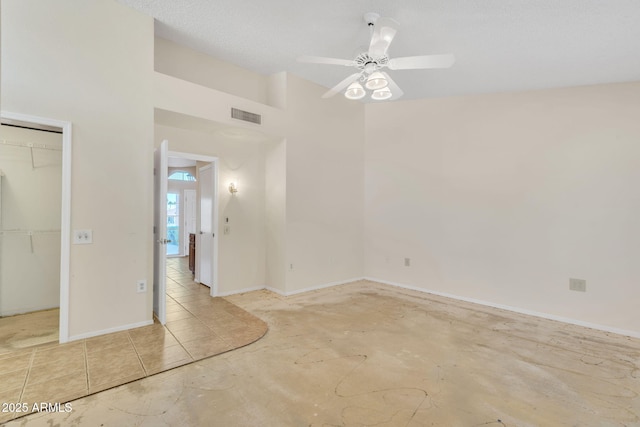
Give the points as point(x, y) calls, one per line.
point(190, 203)
point(206, 249)
point(181, 190)
point(174, 231)
point(39, 235)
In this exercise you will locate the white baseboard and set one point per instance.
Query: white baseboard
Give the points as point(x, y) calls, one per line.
point(26, 310)
point(568, 320)
point(110, 330)
point(313, 288)
point(241, 291)
point(276, 291)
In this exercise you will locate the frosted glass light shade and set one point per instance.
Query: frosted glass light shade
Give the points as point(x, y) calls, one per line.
point(355, 91)
point(381, 94)
point(376, 81)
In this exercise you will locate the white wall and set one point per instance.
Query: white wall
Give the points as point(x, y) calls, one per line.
point(30, 275)
point(90, 62)
point(324, 194)
point(241, 261)
point(502, 198)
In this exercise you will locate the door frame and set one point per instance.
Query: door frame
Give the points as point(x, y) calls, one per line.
point(65, 214)
point(160, 183)
point(214, 163)
point(201, 236)
point(185, 237)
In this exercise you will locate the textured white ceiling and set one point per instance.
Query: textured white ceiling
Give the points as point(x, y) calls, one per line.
point(500, 45)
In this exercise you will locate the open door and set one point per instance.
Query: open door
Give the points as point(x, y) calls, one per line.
point(207, 234)
point(160, 233)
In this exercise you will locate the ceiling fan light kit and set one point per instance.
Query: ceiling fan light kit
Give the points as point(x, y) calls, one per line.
point(371, 63)
point(381, 94)
point(376, 81)
point(355, 91)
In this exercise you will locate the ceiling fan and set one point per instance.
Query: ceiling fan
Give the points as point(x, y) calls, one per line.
point(370, 64)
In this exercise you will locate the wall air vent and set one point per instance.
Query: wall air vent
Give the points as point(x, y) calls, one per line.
point(246, 116)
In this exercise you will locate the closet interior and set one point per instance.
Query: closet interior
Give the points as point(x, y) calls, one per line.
point(30, 218)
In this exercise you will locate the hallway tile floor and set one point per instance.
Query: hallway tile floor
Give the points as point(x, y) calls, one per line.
point(197, 327)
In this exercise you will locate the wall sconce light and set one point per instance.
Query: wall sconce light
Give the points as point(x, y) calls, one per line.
point(233, 189)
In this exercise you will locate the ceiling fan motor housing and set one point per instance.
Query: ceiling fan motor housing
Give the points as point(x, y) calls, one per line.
point(369, 64)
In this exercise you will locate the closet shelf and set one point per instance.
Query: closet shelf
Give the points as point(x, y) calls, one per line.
point(29, 145)
point(27, 232)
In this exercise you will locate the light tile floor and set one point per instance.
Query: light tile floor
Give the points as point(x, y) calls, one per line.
point(21, 331)
point(198, 326)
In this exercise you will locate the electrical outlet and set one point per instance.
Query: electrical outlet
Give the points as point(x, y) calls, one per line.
point(82, 237)
point(141, 286)
point(578, 285)
point(407, 262)
point(290, 267)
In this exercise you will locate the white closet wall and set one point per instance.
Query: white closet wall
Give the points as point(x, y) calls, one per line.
point(31, 162)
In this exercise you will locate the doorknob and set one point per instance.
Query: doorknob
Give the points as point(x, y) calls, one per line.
point(163, 241)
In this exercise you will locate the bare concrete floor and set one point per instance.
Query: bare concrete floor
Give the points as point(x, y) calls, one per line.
point(369, 354)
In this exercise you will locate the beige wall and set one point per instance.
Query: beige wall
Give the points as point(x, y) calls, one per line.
point(314, 180)
point(502, 198)
point(275, 215)
point(196, 101)
point(195, 119)
point(30, 202)
point(196, 67)
point(495, 198)
point(91, 63)
point(241, 261)
point(324, 194)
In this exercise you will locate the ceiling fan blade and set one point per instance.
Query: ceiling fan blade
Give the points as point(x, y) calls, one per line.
point(343, 84)
point(396, 92)
point(384, 30)
point(426, 61)
point(324, 60)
